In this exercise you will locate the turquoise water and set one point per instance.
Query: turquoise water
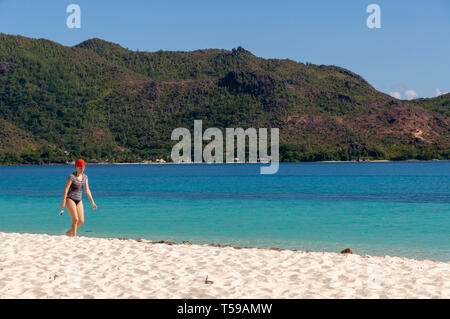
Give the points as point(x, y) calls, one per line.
point(391, 208)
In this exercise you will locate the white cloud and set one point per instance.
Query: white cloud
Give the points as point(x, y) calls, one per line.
point(438, 92)
point(411, 94)
point(397, 95)
point(402, 93)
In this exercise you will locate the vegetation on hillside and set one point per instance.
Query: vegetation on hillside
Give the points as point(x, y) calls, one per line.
point(100, 101)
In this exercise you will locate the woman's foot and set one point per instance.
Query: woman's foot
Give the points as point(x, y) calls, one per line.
point(69, 233)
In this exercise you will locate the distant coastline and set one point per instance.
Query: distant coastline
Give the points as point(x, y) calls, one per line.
point(172, 163)
point(136, 99)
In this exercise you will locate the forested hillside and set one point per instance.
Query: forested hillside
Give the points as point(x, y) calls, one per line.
point(98, 100)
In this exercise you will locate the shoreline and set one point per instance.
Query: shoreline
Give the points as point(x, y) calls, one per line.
point(48, 266)
point(344, 250)
point(172, 163)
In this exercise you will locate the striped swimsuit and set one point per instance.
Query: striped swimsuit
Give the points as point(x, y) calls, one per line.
point(76, 188)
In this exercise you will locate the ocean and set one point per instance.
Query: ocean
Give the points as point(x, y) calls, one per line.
point(375, 208)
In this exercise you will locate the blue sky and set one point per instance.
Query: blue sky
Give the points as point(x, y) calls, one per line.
point(409, 55)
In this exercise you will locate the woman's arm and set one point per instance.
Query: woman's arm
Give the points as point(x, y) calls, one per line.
point(66, 190)
point(89, 195)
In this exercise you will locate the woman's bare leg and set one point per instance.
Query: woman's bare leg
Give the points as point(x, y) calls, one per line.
point(80, 214)
point(72, 208)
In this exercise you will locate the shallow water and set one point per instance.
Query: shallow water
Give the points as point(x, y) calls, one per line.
point(386, 208)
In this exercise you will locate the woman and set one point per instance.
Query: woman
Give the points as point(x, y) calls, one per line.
point(72, 196)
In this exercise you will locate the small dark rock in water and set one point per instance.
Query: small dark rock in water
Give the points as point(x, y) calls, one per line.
point(347, 251)
point(88, 231)
point(185, 242)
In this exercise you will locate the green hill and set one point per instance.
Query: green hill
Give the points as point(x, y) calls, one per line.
point(98, 100)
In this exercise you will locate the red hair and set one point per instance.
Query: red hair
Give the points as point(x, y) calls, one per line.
point(80, 163)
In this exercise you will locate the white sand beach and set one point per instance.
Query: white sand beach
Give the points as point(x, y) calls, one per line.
point(43, 266)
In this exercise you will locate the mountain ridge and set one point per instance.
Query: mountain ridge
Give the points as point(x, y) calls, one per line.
point(98, 100)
